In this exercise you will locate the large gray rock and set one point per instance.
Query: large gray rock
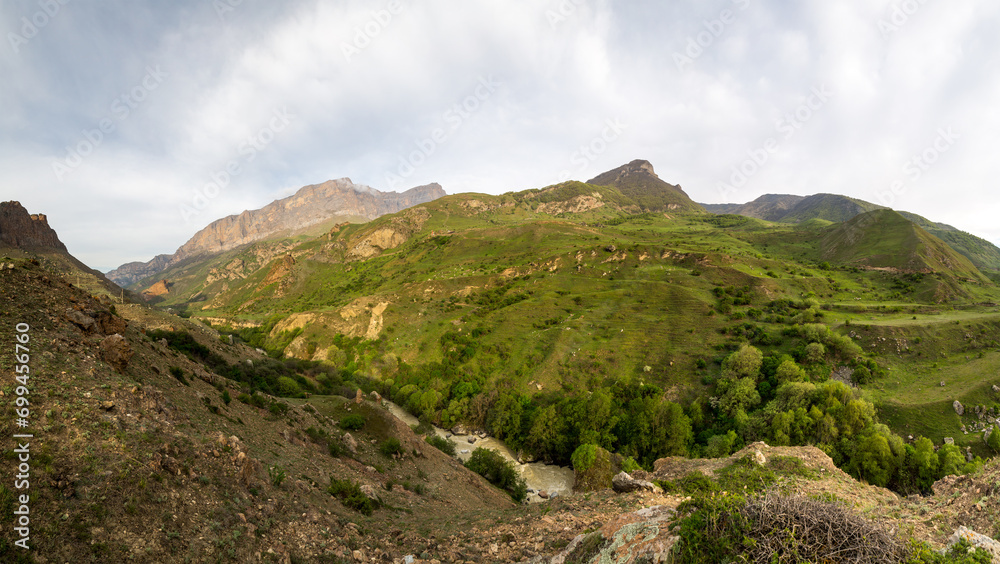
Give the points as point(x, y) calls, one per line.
point(959, 408)
point(350, 443)
point(977, 540)
point(623, 483)
point(116, 351)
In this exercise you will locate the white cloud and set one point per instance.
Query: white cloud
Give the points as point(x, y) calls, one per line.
point(562, 76)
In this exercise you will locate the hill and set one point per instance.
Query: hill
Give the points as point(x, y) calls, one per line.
point(562, 321)
point(333, 201)
point(886, 239)
point(786, 208)
point(638, 182)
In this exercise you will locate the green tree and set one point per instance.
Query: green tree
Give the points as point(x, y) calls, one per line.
point(744, 363)
point(740, 394)
point(505, 419)
point(789, 371)
point(546, 439)
point(670, 432)
point(815, 353)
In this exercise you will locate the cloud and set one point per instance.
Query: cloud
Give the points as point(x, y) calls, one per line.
point(386, 93)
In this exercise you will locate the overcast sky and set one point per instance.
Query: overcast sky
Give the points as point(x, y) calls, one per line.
point(120, 119)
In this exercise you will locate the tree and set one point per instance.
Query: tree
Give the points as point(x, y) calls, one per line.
point(546, 437)
point(721, 445)
point(505, 419)
point(737, 395)
point(744, 363)
point(815, 353)
point(789, 371)
point(670, 432)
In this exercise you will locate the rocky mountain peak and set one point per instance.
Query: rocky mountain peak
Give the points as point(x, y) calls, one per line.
point(309, 206)
point(18, 228)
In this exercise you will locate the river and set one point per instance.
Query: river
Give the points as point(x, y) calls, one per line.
point(539, 476)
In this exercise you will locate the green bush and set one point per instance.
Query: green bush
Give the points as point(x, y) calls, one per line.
point(178, 373)
point(391, 447)
point(352, 422)
point(583, 457)
point(351, 496)
point(442, 444)
point(277, 474)
point(500, 472)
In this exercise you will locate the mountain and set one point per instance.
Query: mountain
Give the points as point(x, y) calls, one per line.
point(787, 208)
point(769, 207)
point(20, 229)
point(886, 239)
point(563, 322)
point(311, 205)
point(638, 182)
point(29, 235)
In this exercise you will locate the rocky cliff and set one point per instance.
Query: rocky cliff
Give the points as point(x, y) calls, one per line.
point(309, 206)
point(18, 228)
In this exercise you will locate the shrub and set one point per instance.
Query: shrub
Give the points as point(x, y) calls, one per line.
point(391, 447)
point(352, 497)
point(352, 422)
point(178, 373)
point(226, 398)
point(442, 444)
point(277, 474)
point(500, 472)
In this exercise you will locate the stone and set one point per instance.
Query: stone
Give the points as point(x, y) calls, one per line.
point(472, 440)
point(80, 319)
point(543, 494)
point(959, 408)
point(369, 491)
point(977, 540)
point(942, 383)
point(459, 430)
point(107, 405)
point(116, 351)
point(359, 396)
point(949, 441)
point(350, 443)
point(624, 483)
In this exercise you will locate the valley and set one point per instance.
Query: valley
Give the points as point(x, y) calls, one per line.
point(238, 404)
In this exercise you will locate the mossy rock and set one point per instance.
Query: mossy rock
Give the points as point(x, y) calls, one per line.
point(593, 468)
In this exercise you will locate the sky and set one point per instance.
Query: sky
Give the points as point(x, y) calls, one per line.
point(132, 125)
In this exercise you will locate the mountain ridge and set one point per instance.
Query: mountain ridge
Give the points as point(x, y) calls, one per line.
point(310, 205)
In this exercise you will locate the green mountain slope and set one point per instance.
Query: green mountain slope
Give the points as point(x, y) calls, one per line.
point(886, 239)
point(639, 182)
point(786, 208)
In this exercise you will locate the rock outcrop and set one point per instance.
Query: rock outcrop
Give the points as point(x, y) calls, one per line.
point(309, 206)
point(20, 229)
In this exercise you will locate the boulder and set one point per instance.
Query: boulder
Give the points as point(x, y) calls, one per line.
point(350, 443)
point(116, 351)
point(977, 540)
point(959, 408)
point(80, 319)
point(949, 441)
point(624, 483)
point(472, 440)
point(459, 430)
point(359, 396)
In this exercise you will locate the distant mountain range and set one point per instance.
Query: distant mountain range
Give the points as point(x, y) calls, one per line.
point(788, 208)
point(336, 200)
